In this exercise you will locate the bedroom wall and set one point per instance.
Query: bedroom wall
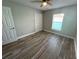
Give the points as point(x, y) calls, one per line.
point(69, 26)
point(23, 16)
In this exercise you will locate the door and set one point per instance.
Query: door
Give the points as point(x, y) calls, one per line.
point(8, 28)
point(38, 21)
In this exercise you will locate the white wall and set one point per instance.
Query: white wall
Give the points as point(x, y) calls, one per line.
point(24, 18)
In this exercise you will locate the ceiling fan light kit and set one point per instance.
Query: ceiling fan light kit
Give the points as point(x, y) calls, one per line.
point(44, 3)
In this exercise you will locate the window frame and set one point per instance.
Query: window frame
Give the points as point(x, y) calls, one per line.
point(53, 21)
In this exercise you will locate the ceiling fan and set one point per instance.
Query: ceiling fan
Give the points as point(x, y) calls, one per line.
point(44, 2)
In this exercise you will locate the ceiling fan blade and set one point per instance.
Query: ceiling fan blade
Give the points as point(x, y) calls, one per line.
point(41, 5)
point(49, 3)
point(36, 1)
point(47, 0)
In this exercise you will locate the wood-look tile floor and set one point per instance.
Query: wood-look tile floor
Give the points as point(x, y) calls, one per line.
point(41, 45)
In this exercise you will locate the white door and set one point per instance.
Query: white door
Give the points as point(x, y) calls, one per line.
point(8, 28)
point(38, 21)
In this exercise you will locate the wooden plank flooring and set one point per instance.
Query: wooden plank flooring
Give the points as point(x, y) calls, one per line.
point(41, 45)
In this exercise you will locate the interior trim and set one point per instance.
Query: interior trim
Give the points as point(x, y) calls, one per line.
point(25, 35)
point(9, 41)
point(60, 34)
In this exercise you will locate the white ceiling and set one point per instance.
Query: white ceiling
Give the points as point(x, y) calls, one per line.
point(55, 3)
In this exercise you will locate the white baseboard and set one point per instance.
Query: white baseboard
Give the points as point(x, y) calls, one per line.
point(25, 35)
point(60, 34)
point(28, 34)
point(9, 41)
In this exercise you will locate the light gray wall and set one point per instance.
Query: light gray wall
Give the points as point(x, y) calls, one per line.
point(24, 19)
point(23, 16)
point(69, 27)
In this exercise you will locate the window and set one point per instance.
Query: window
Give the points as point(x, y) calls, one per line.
point(57, 21)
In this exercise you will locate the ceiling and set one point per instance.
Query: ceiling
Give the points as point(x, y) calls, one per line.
point(55, 3)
